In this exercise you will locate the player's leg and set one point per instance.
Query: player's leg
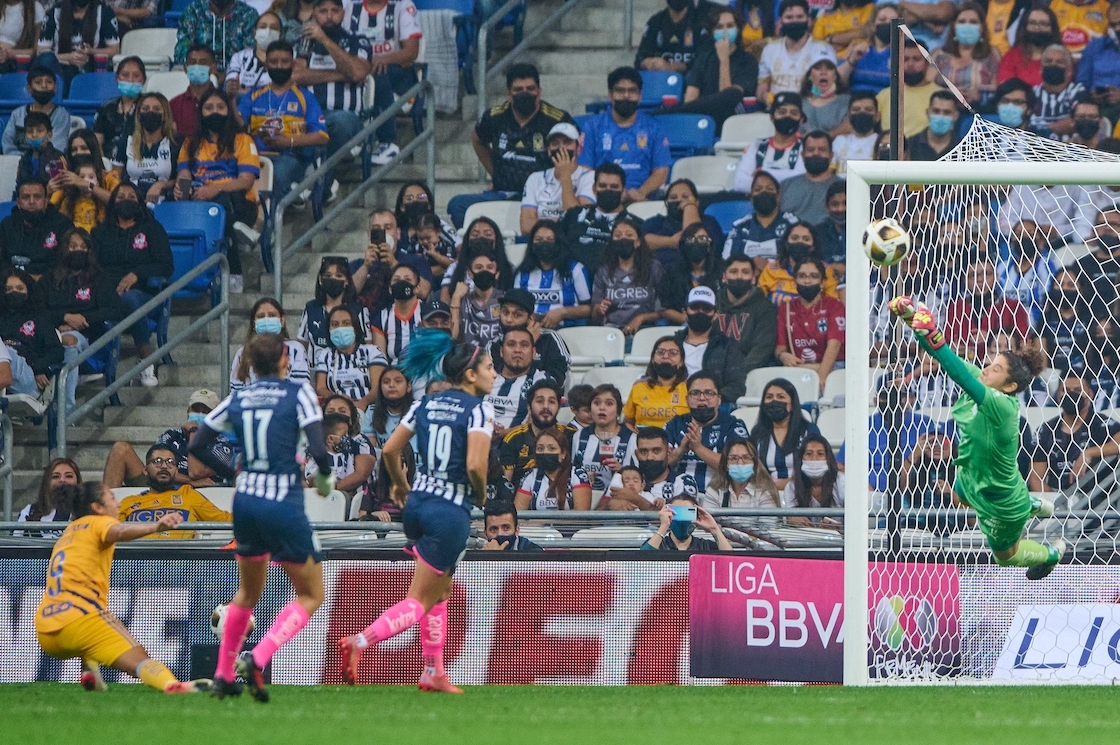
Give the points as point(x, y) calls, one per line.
point(433, 635)
point(252, 572)
point(91, 678)
point(1038, 558)
point(109, 643)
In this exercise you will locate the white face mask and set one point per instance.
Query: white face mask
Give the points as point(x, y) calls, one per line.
point(266, 36)
point(814, 469)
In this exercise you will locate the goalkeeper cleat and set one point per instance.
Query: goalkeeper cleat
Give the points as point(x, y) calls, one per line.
point(221, 688)
point(1057, 551)
point(201, 685)
point(1041, 507)
point(437, 684)
point(91, 678)
point(254, 677)
point(351, 654)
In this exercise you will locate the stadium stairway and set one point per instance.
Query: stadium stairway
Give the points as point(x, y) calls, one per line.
point(574, 61)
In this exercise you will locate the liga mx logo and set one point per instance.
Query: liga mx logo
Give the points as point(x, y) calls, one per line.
point(910, 622)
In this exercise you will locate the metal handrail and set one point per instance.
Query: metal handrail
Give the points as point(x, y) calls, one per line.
point(484, 35)
point(221, 310)
point(6, 469)
point(423, 86)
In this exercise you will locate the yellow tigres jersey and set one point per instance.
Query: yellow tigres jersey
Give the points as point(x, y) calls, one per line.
point(150, 506)
point(998, 20)
point(1080, 24)
point(78, 574)
point(651, 406)
point(840, 21)
point(293, 112)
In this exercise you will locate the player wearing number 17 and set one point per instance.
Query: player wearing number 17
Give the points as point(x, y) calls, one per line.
point(268, 516)
point(987, 418)
point(453, 430)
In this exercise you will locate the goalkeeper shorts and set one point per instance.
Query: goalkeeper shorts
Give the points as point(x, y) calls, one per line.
point(1000, 520)
point(100, 638)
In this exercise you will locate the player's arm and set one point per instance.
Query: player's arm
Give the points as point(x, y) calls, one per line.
point(391, 456)
point(478, 463)
point(202, 448)
point(918, 317)
point(122, 532)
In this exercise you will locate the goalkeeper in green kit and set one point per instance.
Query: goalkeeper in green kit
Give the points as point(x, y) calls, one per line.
point(987, 418)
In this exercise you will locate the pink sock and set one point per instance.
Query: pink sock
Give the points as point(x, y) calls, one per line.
point(401, 617)
point(433, 631)
point(287, 624)
point(233, 636)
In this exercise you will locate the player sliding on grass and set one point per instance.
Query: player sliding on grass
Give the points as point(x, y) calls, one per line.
point(73, 619)
point(453, 430)
point(987, 417)
point(268, 516)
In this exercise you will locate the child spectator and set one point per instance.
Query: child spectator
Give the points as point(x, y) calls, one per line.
point(579, 401)
point(41, 161)
point(42, 86)
point(85, 194)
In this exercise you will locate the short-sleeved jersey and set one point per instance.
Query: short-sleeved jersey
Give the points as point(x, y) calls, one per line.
point(107, 33)
point(214, 167)
point(1080, 24)
point(536, 485)
point(589, 453)
point(442, 424)
point(348, 374)
point(156, 163)
point(176, 440)
point(989, 440)
point(266, 417)
point(806, 330)
point(343, 461)
point(395, 329)
point(749, 237)
point(341, 95)
point(78, 573)
point(786, 71)
point(551, 291)
point(518, 149)
point(294, 112)
point(712, 436)
point(387, 27)
point(637, 149)
point(150, 506)
point(508, 397)
point(653, 406)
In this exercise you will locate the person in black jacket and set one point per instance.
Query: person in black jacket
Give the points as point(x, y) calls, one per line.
point(134, 253)
point(699, 265)
point(32, 342)
point(718, 355)
point(550, 351)
point(33, 232)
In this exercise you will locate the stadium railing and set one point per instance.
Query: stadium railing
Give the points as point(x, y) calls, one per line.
point(6, 469)
point(426, 138)
point(219, 311)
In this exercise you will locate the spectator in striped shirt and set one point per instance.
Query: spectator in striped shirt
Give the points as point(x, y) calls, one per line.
point(606, 445)
point(1056, 94)
point(561, 286)
point(516, 374)
point(516, 311)
point(393, 326)
point(267, 317)
point(352, 458)
point(697, 438)
point(348, 366)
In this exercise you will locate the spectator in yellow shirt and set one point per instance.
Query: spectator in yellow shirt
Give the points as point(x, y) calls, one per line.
point(79, 198)
point(164, 496)
point(1080, 21)
point(849, 21)
point(776, 280)
point(661, 394)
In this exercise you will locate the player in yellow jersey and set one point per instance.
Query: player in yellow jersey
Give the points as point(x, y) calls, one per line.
point(73, 619)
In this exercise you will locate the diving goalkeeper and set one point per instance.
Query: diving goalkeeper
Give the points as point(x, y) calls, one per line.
point(987, 418)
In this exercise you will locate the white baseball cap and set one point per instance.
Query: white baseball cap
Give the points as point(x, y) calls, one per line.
point(702, 295)
point(567, 129)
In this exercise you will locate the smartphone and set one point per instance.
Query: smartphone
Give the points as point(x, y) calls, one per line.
point(54, 168)
point(377, 236)
point(683, 513)
point(185, 187)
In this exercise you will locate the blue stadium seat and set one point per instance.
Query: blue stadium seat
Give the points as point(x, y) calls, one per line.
point(13, 91)
point(656, 84)
point(6, 209)
point(726, 213)
point(88, 91)
point(581, 120)
point(196, 231)
point(171, 17)
point(689, 134)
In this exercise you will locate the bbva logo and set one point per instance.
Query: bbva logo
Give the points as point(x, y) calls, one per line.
point(905, 620)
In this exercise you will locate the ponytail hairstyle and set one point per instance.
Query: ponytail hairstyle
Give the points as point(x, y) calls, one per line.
point(460, 359)
point(1024, 366)
point(434, 355)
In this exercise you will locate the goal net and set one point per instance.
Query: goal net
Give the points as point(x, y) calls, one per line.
point(1015, 241)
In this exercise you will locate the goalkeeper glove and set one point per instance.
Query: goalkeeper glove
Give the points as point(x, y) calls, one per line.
point(903, 307)
point(324, 484)
point(923, 324)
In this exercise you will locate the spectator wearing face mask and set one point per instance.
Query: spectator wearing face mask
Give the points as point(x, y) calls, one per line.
point(784, 62)
point(707, 349)
point(697, 438)
point(384, 253)
point(31, 346)
point(872, 72)
point(1014, 100)
point(780, 155)
point(200, 66)
point(552, 192)
point(267, 317)
point(41, 85)
point(1088, 130)
point(248, 69)
point(629, 284)
point(777, 279)
point(1037, 31)
point(1056, 94)
point(33, 231)
point(745, 315)
point(859, 143)
point(825, 98)
point(334, 288)
point(394, 326)
point(560, 287)
point(501, 529)
point(1027, 273)
point(699, 266)
point(663, 233)
point(816, 482)
point(756, 235)
point(224, 26)
point(941, 135)
point(675, 534)
point(1064, 326)
point(1073, 443)
point(831, 234)
point(587, 229)
point(968, 60)
point(672, 36)
point(811, 327)
point(474, 306)
point(804, 195)
point(148, 154)
point(116, 116)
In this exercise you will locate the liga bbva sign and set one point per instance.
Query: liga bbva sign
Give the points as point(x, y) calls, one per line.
point(1062, 643)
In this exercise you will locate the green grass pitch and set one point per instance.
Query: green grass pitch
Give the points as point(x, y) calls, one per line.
point(64, 714)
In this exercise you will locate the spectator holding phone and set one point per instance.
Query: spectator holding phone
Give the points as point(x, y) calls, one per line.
point(678, 519)
point(42, 161)
point(384, 253)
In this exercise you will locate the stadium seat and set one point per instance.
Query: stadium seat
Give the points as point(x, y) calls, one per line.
point(331, 508)
point(710, 173)
point(539, 534)
point(1071, 254)
point(630, 535)
point(154, 46)
point(78, 122)
point(171, 17)
point(1036, 415)
point(646, 210)
point(1051, 377)
point(747, 414)
point(688, 134)
point(622, 378)
point(834, 390)
point(9, 169)
point(594, 345)
point(196, 231)
point(805, 381)
point(740, 130)
point(831, 423)
point(515, 252)
point(938, 413)
point(726, 213)
point(6, 209)
point(657, 85)
point(170, 84)
point(642, 345)
point(88, 91)
point(506, 213)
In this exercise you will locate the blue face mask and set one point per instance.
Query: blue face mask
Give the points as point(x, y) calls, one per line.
point(940, 124)
point(267, 325)
point(724, 34)
point(35, 144)
point(968, 33)
point(196, 417)
point(198, 74)
point(342, 337)
point(1010, 114)
point(741, 474)
point(681, 530)
point(129, 90)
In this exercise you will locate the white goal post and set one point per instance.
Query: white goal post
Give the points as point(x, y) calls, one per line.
point(862, 176)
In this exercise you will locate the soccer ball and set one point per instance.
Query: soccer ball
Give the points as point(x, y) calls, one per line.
point(886, 242)
point(218, 621)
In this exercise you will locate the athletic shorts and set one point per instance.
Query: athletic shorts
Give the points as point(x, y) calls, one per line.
point(100, 638)
point(277, 530)
point(437, 531)
point(1000, 520)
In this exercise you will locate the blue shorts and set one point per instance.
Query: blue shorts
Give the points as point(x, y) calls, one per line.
point(265, 528)
point(437, 531)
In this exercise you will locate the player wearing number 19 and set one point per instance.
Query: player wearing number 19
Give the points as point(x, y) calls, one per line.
point(987, 418)
point(268, 516)
point(453, 430)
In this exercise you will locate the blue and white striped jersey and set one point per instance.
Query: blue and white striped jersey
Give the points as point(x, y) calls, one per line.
point(553, 292)
point(441, 424)
point(712, 435)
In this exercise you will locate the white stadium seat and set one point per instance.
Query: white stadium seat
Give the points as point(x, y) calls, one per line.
point(747, 414)
point(515, 251)
point(831, 423)
point(1036, 415)
point(834, 389)
point(646, 210)
point(622, 378)
point(540, 534)
point(9, 170)
point(1071, 254)
point(741, 129)
point(938, 413)
point(170, 84)
point(642, 345)
point(710, 173)
point(804, 381)
point(506, 213)
point(155, 46)
point(594, 345)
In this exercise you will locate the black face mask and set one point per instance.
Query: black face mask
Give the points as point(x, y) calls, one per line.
point(776, 411)
point(524, 103)
point(815, 165)
point(703, 414)
point(547, 252)
point(79, 260)
point(484, 280)
point(795, 31)
point(739, 287)
point(862, 123)
point(333, 287)
point(840, 218)
point(1070, 404)
point(1111, 241)
point(212, 123)
point(608, 200)
point(674, 211)
point(1038, 38)
point(397, 403)
point(42, 97)
point(81, 3)
point(34, 218)
point(678, 5)
point(913, 78)
point(222, 5)
point(625, 108)
point(699, 322)
point(476, 246)
point(786, 125)
point(883, 32)
point(651, 469)
point(808, 293)
point(765, 202)
point(694, 251)
point(1067, 298)
point(1086, 130)
point(413, 210)
point(623, 248)
point(402, 291)
point(280, 75)
point(151, 121)
point(16, 300)
point(665, 370)
point(128, 209)
point(1053, 74)
point(797, 252)
point(548, 461)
